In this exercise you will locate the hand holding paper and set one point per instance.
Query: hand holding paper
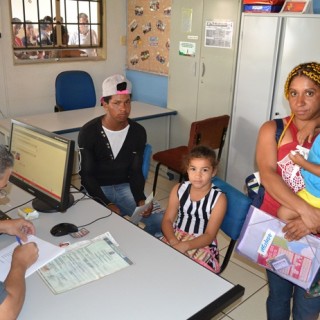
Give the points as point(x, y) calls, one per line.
point(138, 214)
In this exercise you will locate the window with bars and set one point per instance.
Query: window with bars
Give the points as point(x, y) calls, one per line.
point(57, 29)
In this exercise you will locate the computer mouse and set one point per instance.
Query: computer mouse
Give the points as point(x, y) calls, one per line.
point(62, 229)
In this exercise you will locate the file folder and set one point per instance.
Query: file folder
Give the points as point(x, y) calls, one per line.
point(262, 241)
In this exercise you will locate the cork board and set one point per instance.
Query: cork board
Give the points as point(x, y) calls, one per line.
point(148, 35)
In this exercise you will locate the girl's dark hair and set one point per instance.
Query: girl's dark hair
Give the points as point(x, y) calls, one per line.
point(203, 152)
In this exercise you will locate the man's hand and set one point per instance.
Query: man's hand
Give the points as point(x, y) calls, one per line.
point(149, 209)
point(113, 208)
point(17, 227)
point(25, 255)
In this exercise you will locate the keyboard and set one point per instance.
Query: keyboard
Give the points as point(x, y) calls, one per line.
point(4, 216)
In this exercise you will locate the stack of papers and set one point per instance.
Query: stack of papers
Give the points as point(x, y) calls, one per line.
point(47, 252)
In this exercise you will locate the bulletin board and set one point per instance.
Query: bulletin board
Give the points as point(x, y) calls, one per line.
point(148, 35)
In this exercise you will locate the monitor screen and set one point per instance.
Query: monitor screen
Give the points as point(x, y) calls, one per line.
point(43, 163)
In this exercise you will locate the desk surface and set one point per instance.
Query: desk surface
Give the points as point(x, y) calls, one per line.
point(70, 121)
point(161, 284)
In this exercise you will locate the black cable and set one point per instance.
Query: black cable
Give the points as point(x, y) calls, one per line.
point(86, 196)
point(18, 206)
point(107, 216)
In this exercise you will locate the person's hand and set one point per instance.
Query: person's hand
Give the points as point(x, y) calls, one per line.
point(17, 227)
point(113, 208)
point(307, 132)
point(311, 219)
point(181, 246)
point(297, 158)
point(146, 213)
point(295, 229)
point(25, 255)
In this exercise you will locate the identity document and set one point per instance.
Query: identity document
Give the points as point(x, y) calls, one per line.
point(85, 262)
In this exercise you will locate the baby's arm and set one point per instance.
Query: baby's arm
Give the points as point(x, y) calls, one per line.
point(305, 164)
point(286, 214)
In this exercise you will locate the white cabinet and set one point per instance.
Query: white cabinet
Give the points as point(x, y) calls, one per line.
point(201, 86)
point(270, 46)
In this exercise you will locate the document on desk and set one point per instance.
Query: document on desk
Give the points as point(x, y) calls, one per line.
point(47, 252)
point(82, 263)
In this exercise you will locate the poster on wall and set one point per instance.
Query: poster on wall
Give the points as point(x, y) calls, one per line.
point(218, 34)
point(187, 49)
point(148, 35)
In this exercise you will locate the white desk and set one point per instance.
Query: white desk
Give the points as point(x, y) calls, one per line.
point(161, 284)
point(72, 121)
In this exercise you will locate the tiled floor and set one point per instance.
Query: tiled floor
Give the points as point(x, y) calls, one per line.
point(239, 270)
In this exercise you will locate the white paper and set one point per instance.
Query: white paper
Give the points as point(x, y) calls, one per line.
point(84, 262)
point(47, 252)
point(137, 214)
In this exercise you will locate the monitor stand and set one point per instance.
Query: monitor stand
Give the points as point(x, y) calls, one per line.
point(42, 206)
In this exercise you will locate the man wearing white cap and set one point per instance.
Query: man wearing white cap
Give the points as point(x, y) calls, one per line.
point(112, 149)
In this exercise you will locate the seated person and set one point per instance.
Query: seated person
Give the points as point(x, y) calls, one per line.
point(12, 290)
point(112, 147)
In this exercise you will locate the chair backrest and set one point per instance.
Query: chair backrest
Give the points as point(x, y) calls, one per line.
point(210, 132)
point(237, 208)
point(146, 160)
point(74, 90)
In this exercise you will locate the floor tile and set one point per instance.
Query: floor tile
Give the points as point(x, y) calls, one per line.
point(223, 242)
point(238, 275)
point(253, 308)
point(220, 316)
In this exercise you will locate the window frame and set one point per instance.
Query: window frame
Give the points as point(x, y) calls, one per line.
point(58, 49)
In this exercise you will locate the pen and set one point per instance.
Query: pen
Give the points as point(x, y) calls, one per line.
point(19, 240)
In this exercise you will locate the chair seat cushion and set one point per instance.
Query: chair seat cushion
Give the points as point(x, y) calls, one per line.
point(172, 158)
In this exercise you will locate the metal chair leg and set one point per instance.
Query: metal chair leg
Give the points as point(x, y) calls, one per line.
point(155, 179)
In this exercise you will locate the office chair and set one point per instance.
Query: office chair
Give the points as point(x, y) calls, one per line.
point(146, 160)
point(237, 208)
point(74, 90)
point(211, 132)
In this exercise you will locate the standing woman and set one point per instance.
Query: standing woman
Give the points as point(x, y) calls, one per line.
point(302, 89)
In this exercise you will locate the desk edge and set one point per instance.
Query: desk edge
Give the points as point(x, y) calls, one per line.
point(219, 304)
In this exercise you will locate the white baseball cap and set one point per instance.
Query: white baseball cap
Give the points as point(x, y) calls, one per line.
point(116, 84)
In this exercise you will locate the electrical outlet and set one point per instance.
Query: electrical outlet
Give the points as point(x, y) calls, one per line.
point(123, 40)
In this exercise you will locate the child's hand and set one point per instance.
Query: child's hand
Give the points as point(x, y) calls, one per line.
point(182, 246)
point(297, 158)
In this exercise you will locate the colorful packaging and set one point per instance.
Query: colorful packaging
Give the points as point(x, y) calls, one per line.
point(267, 2)
point(259, 8)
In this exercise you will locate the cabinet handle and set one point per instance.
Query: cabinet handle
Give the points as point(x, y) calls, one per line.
point(203, 69)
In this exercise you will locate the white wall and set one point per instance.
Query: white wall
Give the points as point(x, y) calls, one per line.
point(29, 89)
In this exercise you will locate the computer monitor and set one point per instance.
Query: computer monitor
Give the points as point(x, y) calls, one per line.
point(43, 163)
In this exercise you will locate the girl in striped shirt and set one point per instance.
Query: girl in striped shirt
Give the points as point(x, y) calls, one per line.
point(196, 207)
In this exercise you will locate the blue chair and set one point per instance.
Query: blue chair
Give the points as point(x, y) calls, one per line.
point(74, 90)
point(237, 209)
point(146, 160)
